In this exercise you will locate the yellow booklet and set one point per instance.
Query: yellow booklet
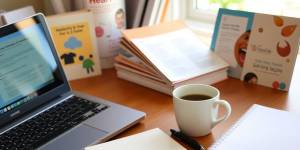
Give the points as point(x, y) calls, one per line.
point(74, 38)
point(154, 139)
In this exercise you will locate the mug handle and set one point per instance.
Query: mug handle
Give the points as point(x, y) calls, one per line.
point(228, 111)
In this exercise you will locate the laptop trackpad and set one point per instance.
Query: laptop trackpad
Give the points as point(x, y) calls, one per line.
point(76, 139)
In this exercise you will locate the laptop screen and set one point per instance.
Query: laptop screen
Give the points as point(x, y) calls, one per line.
point(28, 68)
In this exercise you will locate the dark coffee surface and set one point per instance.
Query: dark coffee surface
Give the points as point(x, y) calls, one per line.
point(196, 97)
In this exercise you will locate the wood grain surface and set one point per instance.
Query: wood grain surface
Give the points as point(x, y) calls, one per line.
point(159, 107)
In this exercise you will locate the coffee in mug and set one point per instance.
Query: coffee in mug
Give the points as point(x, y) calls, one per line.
point(196, 97)
point(196, 108)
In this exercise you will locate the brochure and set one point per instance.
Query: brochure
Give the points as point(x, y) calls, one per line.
point(259, 48)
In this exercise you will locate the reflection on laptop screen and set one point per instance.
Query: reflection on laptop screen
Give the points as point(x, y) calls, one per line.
point(27, 65)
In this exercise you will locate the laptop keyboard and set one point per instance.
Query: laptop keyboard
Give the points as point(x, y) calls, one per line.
point(49, 124)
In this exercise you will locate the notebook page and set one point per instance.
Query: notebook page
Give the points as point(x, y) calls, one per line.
point(154, 139)
point(262, 128)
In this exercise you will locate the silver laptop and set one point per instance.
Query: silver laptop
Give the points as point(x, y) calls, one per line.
point(38, 110)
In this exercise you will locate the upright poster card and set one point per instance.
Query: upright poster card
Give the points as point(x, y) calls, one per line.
point(74, 38)
point(272, 51)
point(260, 48)
point(230, 38)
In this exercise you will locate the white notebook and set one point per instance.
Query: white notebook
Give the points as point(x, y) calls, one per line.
point(262, 128)
point(154, 139)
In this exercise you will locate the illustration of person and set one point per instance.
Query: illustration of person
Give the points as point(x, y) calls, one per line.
point(120, 19)
point(119, 25)
point(251, 78)
point(240, 48)
point(87, 63)
point(68, 58)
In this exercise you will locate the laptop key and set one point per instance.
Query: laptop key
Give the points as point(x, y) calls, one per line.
point(49, 124)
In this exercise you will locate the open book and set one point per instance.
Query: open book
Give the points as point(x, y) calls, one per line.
point(166, 56)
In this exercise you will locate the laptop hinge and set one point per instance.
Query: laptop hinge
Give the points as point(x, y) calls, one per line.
point(67, 94)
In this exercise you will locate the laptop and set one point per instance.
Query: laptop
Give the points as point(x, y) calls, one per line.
point(38, 109)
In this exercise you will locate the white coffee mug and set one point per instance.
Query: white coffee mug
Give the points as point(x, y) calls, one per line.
point(198, 117)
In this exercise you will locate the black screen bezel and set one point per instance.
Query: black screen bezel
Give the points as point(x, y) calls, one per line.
point(59, 87)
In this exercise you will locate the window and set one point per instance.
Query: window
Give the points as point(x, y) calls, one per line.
point(206, 10)
point(201, 14)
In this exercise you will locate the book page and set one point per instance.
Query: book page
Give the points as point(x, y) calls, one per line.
point(179, 55)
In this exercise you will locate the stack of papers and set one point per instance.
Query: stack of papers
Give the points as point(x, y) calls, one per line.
point(166, 56)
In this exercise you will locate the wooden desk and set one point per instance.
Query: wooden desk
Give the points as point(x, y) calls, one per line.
point(159, 108)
